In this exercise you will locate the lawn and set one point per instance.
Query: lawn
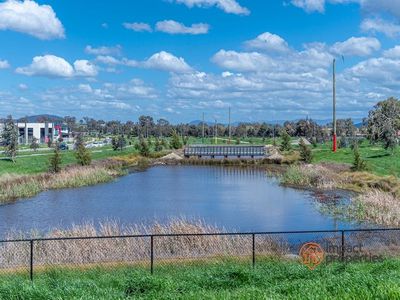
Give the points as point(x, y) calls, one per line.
point(379, 160)
point(229, 280)
point(38, 162)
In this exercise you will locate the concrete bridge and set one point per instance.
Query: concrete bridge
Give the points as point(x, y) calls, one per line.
point(225, 151)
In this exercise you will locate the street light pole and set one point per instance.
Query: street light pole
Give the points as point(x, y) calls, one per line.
point(334, 146)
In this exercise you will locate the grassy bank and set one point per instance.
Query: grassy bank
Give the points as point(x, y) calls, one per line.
point(377, 200)
point(14, 186)
point(229, 280)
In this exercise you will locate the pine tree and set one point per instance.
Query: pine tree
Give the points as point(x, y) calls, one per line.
point(144, 148)
point(358, 164)
point(82, 154)
point(285, 144)
point(10, 138)
point(175, 141)
point(305, 152)
point(55, 160)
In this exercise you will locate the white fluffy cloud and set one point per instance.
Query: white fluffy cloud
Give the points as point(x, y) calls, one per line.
point(356, 46)
point(243, 61)
point(54, 66)
point(386, 27)
point(112, 61)
point(103, 50)
point(30, 18)
point(392, 53)
point(228, 6)
point(138, 27)
point(167, 62)
point(268, 42)
point(173, 27)
point(319, 5)
point(4, 64)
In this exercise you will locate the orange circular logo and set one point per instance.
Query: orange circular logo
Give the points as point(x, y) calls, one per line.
point(312, 255)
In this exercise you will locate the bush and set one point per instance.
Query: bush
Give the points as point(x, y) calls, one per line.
point(358, 164)
point(285, 145)
point(82, 154)
point(305, 152)
point(55, 160)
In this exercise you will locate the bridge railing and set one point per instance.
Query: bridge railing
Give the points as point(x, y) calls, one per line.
point(207, 150)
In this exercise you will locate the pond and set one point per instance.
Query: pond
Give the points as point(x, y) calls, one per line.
point(244, 199)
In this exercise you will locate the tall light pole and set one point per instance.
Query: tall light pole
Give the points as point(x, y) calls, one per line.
point(334, 141)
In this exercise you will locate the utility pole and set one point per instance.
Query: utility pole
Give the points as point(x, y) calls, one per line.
point(229, 128)
point(334, 146)
point(203, 130)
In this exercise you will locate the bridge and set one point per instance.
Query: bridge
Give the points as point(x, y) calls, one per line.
point(225, 151)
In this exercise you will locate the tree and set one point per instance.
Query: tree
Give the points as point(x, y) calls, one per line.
point(158, 145)
point(118, 142)
point(55, 160)
point(175, 141)
point(144, 148)
point(35, 144)
point(285, 144)
point(384, 123)
point(305, 152)
point(358, 164)
point(10, 138)
point(82, 154)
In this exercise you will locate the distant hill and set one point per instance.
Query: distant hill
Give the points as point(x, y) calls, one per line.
point(357, 122)
point(38, 118)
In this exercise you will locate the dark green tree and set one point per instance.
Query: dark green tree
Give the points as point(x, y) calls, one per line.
point(10, 138)
point(285, 143)
point(358, 164)
point(55, 160)
point(82, 154)
point(144, 148)
point(384, 123)
point(175, 141)
point(118, 142)
point(306, 154)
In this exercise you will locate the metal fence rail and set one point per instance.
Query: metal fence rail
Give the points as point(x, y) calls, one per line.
point(30, 256)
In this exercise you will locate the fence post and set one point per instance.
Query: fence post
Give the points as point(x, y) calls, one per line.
point(31, 261)
point(342, 248)
point(151, 254)
point(254, 249)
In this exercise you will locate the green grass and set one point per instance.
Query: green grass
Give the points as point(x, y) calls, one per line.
point(37, 164)
point(230, 280)
point(379, 161)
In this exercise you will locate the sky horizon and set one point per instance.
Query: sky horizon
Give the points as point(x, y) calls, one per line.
point(175, 59)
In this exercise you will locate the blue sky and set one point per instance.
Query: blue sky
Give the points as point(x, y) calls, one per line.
point(174, 59)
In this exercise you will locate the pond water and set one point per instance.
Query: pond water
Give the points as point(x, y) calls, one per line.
point(234, 198)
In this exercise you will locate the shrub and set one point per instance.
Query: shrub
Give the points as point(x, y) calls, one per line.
point(55, 160)
point(285, 144)
point(305, 152)
point(358, 164)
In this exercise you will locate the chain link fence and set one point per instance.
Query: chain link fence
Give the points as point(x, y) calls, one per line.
point(26, 258)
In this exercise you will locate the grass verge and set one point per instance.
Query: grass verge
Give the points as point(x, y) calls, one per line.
point(228, 280)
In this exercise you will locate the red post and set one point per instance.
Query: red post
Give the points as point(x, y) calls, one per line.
point(334, 146)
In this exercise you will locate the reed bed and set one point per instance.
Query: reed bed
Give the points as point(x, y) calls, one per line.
point(134, 250)
point(13, 187)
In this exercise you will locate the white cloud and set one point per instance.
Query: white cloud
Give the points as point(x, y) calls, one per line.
point(310, 5)
point(23, 87)
point(375, 25)
point(31, 18)
point(86, 88)
point(167, 62)
point(392, 53)
point(173, 27)
point(268, 42)
point(4, 64)
point(112, 61)
point(382, 6)
point(138, 27)
point(85, 68)
point(103, 50)
point(362, 46)
point(242, 61)
point(54, 66)
point(228, 6)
